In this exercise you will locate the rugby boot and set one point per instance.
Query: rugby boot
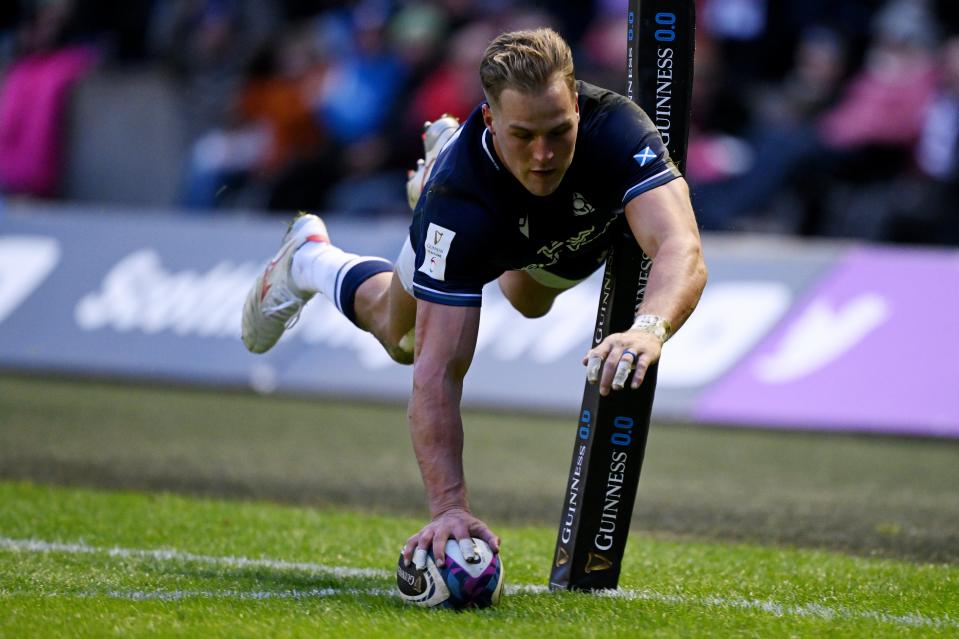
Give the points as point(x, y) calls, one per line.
point(435, 136)
point(274, 303)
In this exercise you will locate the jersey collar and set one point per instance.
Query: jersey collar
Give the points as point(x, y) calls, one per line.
point(486, 147)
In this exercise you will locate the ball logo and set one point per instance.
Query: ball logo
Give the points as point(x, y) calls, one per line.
point(411, 582)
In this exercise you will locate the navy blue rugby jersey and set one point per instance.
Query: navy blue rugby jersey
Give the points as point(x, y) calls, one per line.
point(475, 220)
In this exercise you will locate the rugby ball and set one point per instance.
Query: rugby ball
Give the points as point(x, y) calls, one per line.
point(459, 584)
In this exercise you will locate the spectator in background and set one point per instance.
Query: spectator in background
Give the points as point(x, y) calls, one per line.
point(118, 27)
point(33, 98)
point(9, 23)
point(208, 44)
point(938, 149)
point(779, 141)
point(417, 33)
point(364, 77)
point(864, 138)
point(870, 135)
point(451, 87)
point(740, 172)
point(931, 214)
point(810, 87)
point(884, 103)
point(359, 104)
point(271, 131)
point(600, 52)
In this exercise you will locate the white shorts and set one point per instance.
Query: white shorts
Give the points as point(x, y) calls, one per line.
point(406, 264)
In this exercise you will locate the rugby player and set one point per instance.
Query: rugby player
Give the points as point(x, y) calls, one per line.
point(528, 192)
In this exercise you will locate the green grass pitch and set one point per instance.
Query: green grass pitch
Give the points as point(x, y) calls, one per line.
point(138, 510)
point(85, 563)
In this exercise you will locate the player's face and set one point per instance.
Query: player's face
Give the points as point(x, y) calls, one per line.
point(535, 133)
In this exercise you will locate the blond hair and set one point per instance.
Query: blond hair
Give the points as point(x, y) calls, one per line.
point(525, 60)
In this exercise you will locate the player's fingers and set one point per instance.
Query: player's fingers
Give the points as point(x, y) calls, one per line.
point(439, 546)
point(594, 362)
point(600, 351)
point(422, 544)
point(462, 534)
point(468, 550)
point(409, 547)
point(419, 558)
point(623, 368)
point(609, 369)
point(481, 530)
point(642, 365)
point(593, 366)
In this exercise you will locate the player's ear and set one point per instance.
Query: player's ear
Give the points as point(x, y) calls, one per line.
point(488, 118)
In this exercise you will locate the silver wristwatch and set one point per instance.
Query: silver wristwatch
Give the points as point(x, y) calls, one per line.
point(658, 326)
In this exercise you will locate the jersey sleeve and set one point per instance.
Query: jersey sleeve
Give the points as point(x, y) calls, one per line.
point(643, 163)
point(449, 235)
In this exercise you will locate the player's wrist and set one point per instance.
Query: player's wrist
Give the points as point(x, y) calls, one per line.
point(458, 509)
point(450, 502)
point(657, 326)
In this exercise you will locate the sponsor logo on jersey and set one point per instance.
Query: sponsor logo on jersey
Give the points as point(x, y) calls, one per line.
point(581, 206)
point(436, 248)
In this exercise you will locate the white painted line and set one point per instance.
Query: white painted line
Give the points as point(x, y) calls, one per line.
point(233, 595)
point(811, 610)
point(32, 545)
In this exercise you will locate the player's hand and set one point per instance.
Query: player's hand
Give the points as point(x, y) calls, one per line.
point(457, 523)
point(611, 361)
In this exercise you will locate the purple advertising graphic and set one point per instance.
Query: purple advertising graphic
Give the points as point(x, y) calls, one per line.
point(873, 347)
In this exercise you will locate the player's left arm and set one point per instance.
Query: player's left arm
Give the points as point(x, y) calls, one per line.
point(664, 225)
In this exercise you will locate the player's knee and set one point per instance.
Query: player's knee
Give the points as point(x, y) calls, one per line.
point(532, 310)
point(400, 349)
point(399, 355)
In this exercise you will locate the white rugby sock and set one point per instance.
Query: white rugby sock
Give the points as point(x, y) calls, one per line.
point(319, 267)
point(315, 266)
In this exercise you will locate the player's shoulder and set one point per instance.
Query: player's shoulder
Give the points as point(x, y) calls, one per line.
point(457, 167)
point(608, 114)
point(597, 99)
point(459, 187)
point(455, 187)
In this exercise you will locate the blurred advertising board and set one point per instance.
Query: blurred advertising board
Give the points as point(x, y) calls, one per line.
point(788, 334)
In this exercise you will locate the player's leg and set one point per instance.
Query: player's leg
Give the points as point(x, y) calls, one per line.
point(364, 288)
point(532, 294)
point(532, 291)
point(367, 290)
point(386, 309)
point(381, 301)
point(361, 287)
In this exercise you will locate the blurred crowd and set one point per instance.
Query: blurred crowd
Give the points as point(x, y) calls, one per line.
point(815, 117)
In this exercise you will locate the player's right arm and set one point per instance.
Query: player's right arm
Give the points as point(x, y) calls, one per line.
point(445, 343)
